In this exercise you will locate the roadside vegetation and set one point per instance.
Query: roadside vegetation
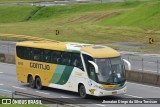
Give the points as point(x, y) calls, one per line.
point(3, 96)
point(101, 23)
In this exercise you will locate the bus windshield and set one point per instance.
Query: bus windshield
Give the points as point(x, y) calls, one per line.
point(111, 70)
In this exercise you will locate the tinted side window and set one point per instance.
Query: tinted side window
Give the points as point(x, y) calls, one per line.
point(23, 52)
point(76, 61)
point(56, 57)
point(46, 56)
point(35, 54)
point(86, 59)
point(91, 72)
point(50, 56)
point(66, 58)
point(90, 68)
point(20, 52)
point(27, 53)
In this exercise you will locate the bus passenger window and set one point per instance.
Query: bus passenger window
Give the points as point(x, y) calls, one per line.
point(20, 52)
point(56, 57)
point(92, 74)
point(76, 61)
point(66, 58)
point(46, 56)
point(36, 54)
point(27, 53)
point(89, 67)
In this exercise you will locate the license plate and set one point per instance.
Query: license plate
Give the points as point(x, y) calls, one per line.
point(114, 92)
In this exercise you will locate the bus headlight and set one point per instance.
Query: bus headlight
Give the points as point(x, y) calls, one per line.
point(111, 88)
point(100, 87)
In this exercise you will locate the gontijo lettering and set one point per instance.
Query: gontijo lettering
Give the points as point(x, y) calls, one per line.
point(39, 66)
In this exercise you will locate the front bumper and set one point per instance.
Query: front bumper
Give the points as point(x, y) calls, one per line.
point(101, 92)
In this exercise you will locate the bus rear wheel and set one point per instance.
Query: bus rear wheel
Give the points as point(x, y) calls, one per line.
point(31, 82)
point(82, 91)
point(38, 83)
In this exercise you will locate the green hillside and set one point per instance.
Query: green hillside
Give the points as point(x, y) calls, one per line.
point(146, 16)
point(57, 11)
point(12, 14)
point(101, 23)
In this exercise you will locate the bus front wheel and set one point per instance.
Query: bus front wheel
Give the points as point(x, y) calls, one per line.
point(31, 82)
point(82, 91)
point(38, 83)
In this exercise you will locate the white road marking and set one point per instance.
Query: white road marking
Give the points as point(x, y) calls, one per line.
point(6, 63)
point(150, 62)
point(64, 97)
point(1, 84)
point(1, 72)
point(42, 92)
point(4, 45)
point(149, 70)
point(143, 85)
point(90, 102)
point(100, 105)
point(18, 87)
point(133, 96)
point(67, 97)
point(3, 90)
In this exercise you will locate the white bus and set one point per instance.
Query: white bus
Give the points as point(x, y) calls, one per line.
point(84, 68)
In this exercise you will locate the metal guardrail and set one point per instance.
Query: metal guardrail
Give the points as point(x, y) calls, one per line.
point(8, 92)
point(58, 2)
point(44, 99)
point(144, 64)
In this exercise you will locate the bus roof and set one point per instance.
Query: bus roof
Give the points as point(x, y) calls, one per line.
point(96, 51)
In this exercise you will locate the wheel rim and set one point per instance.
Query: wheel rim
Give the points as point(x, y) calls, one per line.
point(82, 91)
point(38, 83)
point(31, 82)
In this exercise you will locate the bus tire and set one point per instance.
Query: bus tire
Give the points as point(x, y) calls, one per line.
point(82, 91)
point(31, 82)
point(38, 83)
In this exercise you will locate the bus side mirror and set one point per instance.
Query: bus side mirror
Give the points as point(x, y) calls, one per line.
point(95, 66)
point(128, 63)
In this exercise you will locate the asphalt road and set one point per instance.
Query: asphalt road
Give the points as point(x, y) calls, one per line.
point(8, 82)
point(53, 3)
point(149, 60)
